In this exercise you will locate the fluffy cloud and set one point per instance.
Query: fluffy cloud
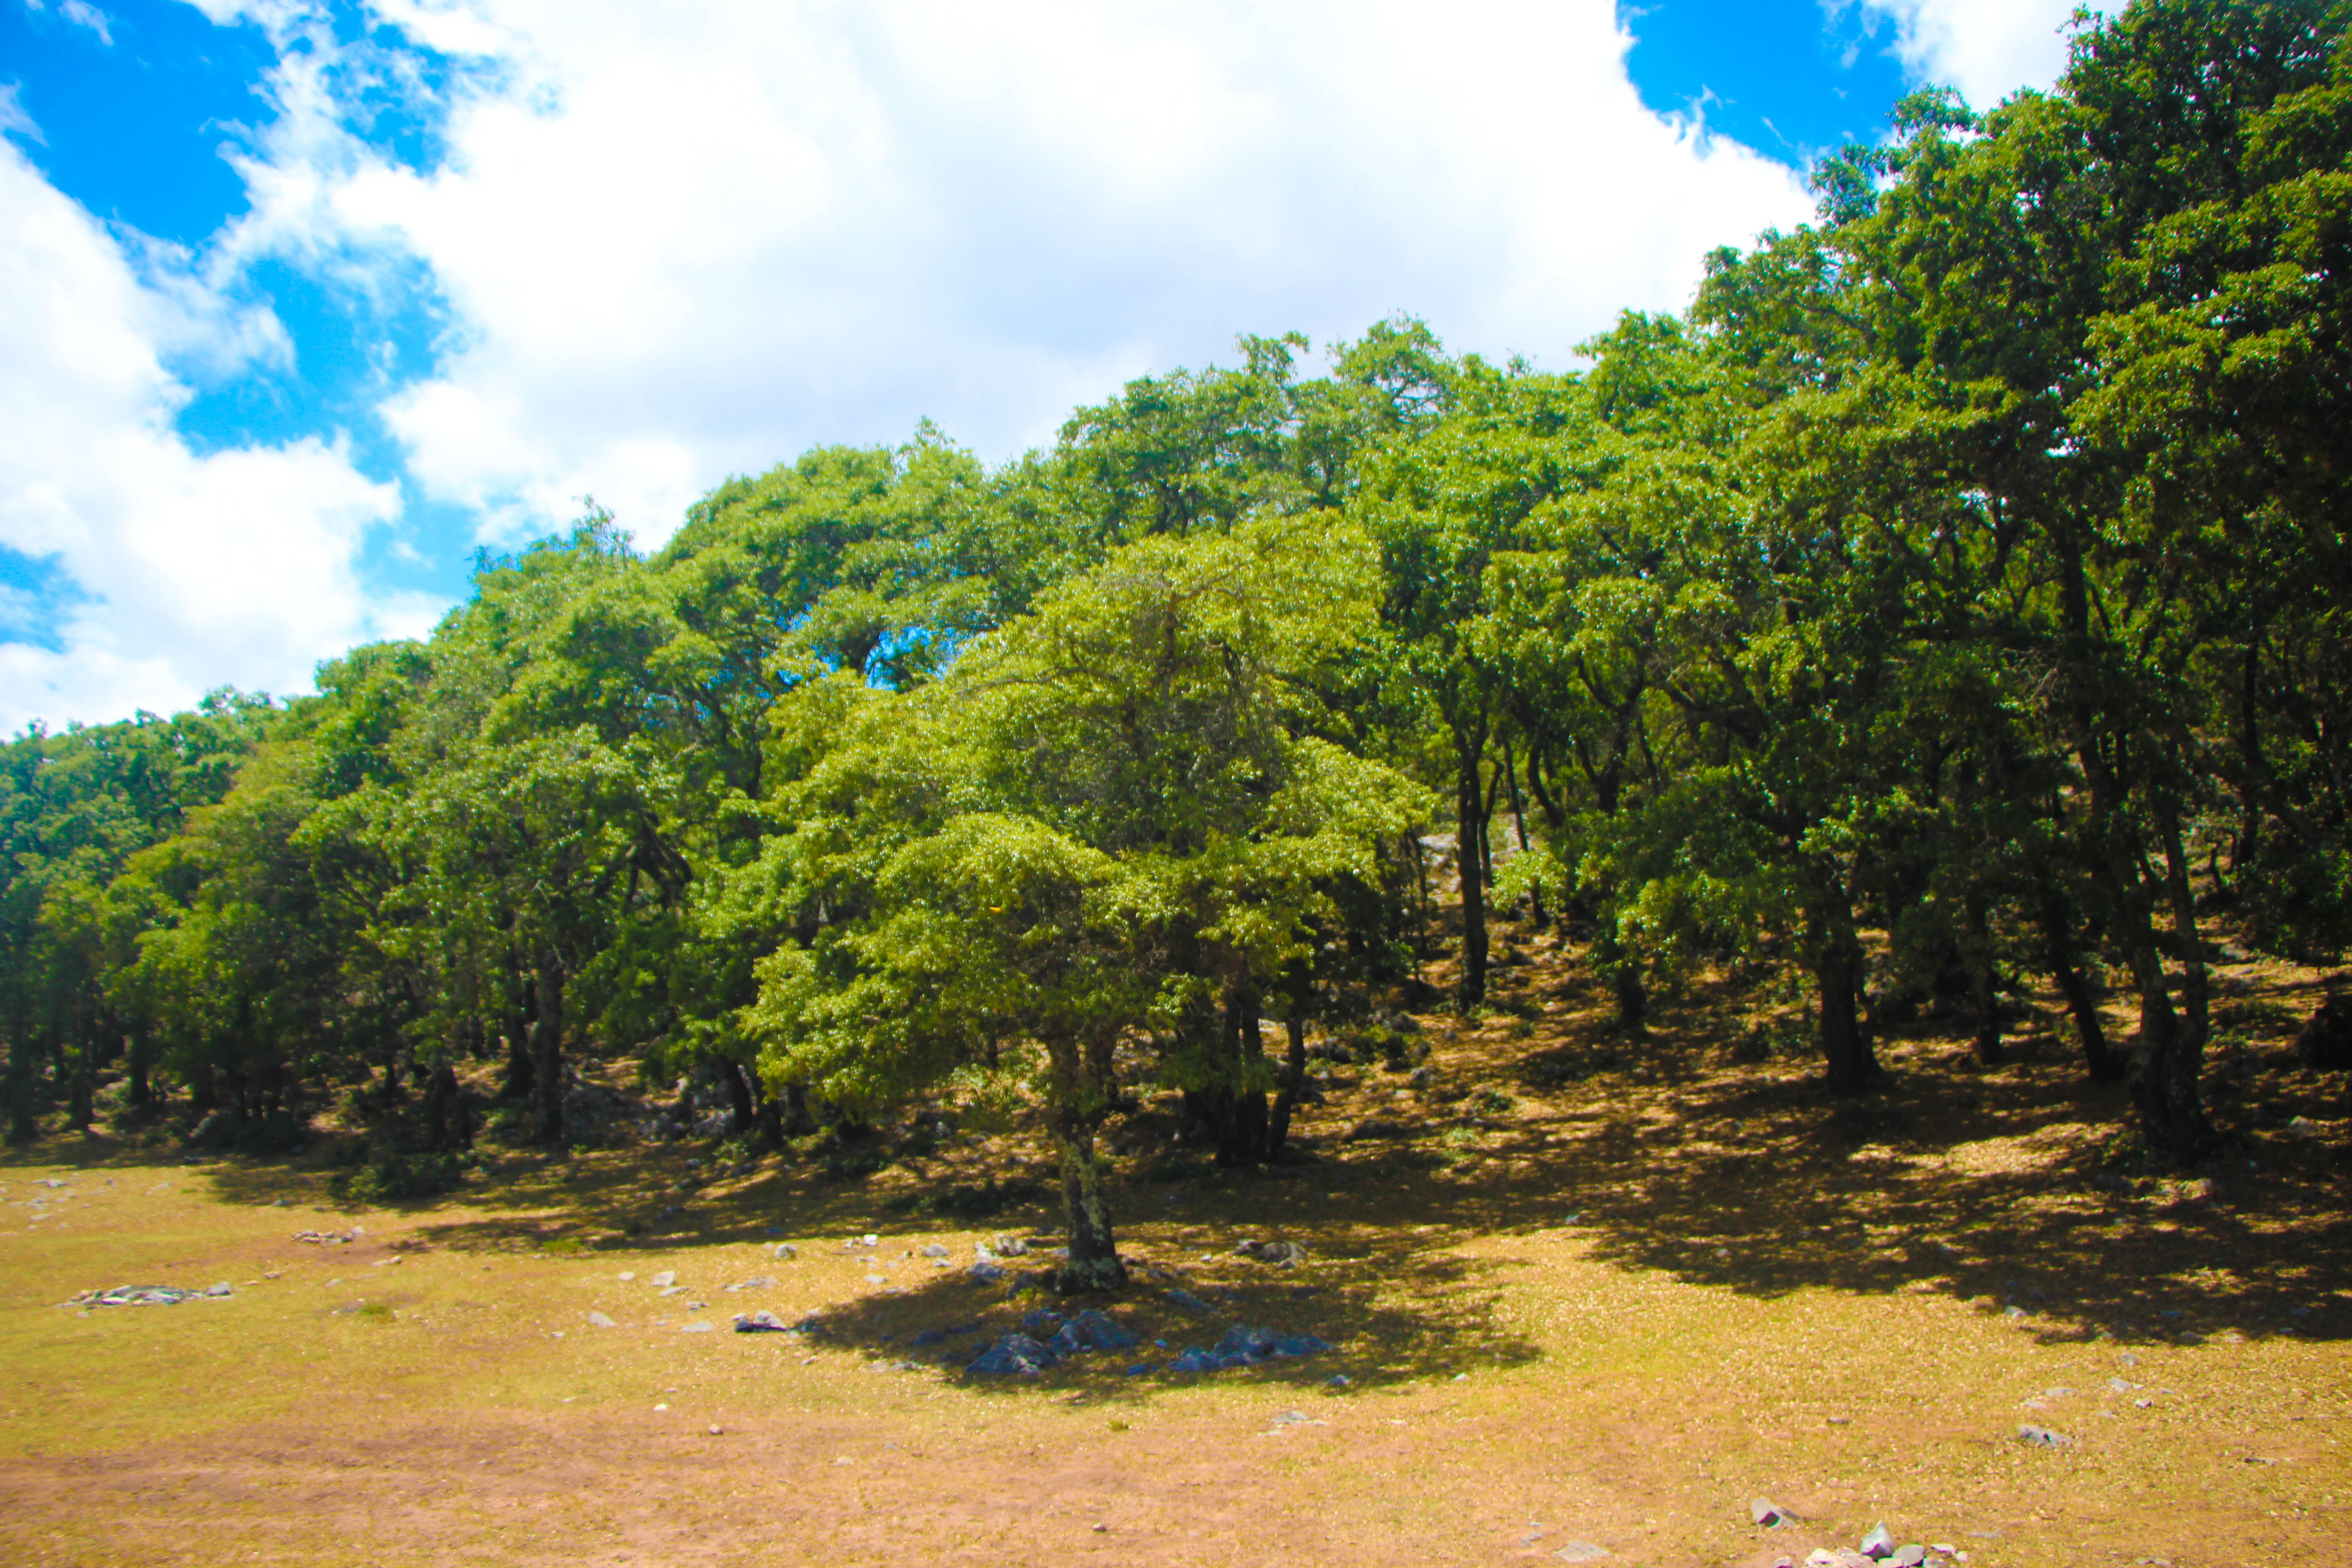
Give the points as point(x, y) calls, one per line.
point(1987, 49)
point(192, 570)
point(686, 243)
point(677, 243)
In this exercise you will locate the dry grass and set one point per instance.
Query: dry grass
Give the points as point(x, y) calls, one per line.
point(1760, 1292)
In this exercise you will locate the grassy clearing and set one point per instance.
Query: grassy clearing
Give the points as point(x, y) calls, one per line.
point(1608, 1293)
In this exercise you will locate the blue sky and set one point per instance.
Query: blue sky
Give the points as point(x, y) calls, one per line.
point(323, 296)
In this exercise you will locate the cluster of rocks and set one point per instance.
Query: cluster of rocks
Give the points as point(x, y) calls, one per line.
point(1876, 1549)
point(989, 1259)
point(146, 1295)
point(1283, 1253)
point(1024, 1353)
point(330, 1237)
point(1244, 1347)
point(594, 1113)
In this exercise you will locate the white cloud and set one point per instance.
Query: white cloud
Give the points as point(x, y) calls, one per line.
point(195, 570)
point(677, 243)
point(685, 242)
point(81, 13)
point(1987, 49)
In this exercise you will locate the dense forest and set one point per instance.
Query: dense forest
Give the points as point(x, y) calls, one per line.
point(1953, 600)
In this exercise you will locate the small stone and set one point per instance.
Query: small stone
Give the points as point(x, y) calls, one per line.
point(1768, 1514)
point(217, 1289)
point(2042, 1437)
point(1185, 1300)
point(1101, 1529)
point(714, 1431)
point(935, 1250)
point(869, 1239)
point(984, 1273)
point(695, 1328)
point(1879, 1542)
point(1580, 1551)
point(599, 1320)
point(665, 1280)
point(628, 1275)
point(784, 1252)
point(760, 1322)
point(1910, 1555)
point(1820, 1557)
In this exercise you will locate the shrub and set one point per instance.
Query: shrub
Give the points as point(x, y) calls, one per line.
point(390, 1178)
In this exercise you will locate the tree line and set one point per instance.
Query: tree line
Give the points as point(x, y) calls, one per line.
point(1953, 598)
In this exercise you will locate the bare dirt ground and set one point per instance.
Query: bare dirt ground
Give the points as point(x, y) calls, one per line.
point(1606, 1303)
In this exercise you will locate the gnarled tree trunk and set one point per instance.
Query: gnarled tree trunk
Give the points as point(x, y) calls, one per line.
point(1837, 960)
point(1079, 1098)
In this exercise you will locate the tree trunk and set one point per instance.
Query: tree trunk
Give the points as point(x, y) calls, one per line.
point(2164, 1072)
point(517, 1083)
point(547, 1050)
point(1983, 997)
point(742, 1105)
point(135, 1060)
point(1250, 1123)
point(1536, 911)
point(1294, 1082)
point(1470, 835)
point(82, 1095)
point(2058, 937)
point(2185, 935)
point(448, 1119)
point(1624, 971)
point(1852, 1065)
point(1079, 1097)
point(2254, 787)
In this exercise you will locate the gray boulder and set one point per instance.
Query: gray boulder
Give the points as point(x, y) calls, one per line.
point(1014, 1356)
point(1092, 1331)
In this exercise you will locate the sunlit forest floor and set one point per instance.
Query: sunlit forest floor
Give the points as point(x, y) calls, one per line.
point(1583, 1288)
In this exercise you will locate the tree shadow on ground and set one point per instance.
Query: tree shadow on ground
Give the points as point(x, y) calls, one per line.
point(1666, 1154)
point(1441, 1322)
point(2002, 1185)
